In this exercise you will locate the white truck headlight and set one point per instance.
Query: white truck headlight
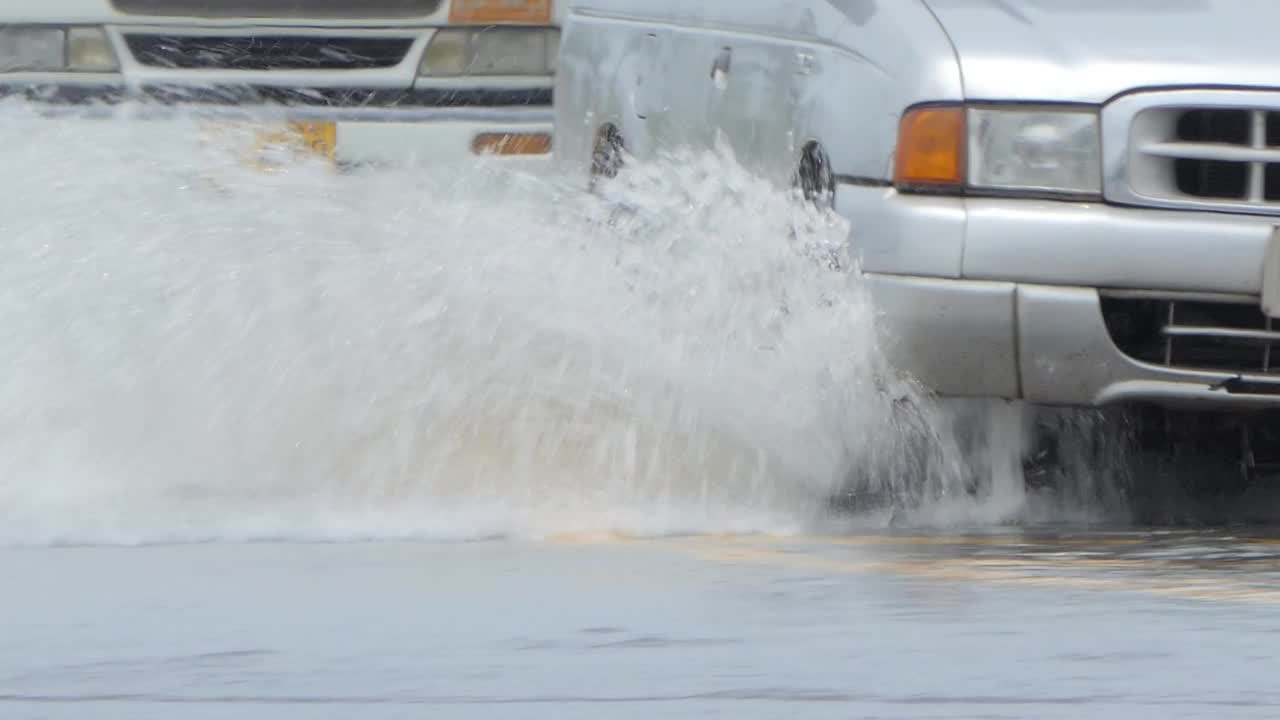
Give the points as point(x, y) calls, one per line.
point(1051, 150)
point(88, 50)
point(32, 48)
point(491, 51)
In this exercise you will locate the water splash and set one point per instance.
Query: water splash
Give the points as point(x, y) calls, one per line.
point(195, 350)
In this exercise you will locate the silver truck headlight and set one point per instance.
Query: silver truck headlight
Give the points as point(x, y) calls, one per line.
point(491, 51)
point(1044, 149)
point(40, 48)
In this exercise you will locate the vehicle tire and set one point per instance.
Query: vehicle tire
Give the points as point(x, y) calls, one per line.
point(897, 476)
point(1079, 459)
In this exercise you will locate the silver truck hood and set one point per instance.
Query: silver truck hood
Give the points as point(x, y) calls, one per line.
point(1092, 50)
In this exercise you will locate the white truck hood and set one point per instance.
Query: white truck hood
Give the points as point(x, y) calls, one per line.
point(1092, 50)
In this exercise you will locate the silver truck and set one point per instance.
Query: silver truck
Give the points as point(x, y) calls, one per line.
point(1063, 202)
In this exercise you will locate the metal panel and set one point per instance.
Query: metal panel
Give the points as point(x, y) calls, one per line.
point(903, 234)
point(1097, 245)
point(955, 336)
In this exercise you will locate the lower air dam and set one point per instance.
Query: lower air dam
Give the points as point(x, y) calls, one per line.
point(196, 350)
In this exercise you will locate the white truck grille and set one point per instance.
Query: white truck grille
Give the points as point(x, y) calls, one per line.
point(268, 52)
point(1208, 150)
point(335, 9)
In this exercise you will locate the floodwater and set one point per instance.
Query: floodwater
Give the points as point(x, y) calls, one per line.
point(992, 625)
point(469, 443)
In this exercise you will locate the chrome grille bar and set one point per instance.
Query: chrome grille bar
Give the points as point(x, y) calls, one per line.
point(1215, 332)
point(1258, 156)
point(1258, 168)
point(1266, 352)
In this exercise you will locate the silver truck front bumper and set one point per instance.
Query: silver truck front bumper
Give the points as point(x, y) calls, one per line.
point(1070, 304)
point(1047, 344)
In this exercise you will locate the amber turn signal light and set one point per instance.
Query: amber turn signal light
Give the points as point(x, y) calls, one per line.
point(931, 144)
point(511, 144)
point(500, 11)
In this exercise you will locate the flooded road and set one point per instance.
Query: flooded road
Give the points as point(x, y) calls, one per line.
point(473, 444)
point(990, 625)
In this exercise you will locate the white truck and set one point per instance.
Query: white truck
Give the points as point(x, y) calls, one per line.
point(373, 81)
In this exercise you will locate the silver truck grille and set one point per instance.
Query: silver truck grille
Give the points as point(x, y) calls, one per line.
point(1206, 150)
point(1193, 334)
point(1225, 154)
point(344, 9)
